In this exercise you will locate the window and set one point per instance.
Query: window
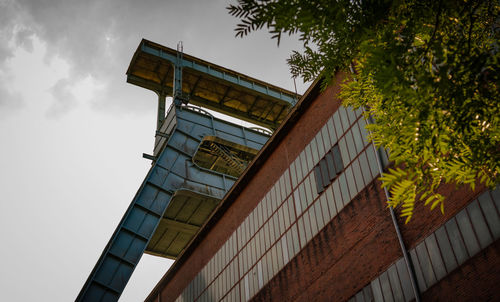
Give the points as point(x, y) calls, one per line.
point(328, 168)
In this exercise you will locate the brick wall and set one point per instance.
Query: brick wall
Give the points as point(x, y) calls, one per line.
point(354, 248)
point(476, 280)
point(304, 129)
point(357, 246)
point(342, 258)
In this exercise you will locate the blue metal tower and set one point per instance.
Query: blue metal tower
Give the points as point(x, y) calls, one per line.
point(196, 158)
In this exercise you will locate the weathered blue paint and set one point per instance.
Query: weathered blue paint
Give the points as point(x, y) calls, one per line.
point(266, 90)
point(173, 170)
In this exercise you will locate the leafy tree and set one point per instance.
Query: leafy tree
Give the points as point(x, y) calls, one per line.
point(426, 70)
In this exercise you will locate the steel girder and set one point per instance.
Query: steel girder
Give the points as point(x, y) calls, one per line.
point(192, 80)
point(173, 170)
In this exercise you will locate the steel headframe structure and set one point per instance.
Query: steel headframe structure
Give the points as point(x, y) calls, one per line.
point(196, 157)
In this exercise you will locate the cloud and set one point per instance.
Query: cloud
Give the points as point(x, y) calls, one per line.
point(9, 13)
point(24, 39)
point(10, 101)
point(64, 98)
point(98, 38)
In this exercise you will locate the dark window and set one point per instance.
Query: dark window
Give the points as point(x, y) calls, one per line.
point(332, 172)
point(339, 166)
point(324, 171)
point(328, 168)
point(319, 180)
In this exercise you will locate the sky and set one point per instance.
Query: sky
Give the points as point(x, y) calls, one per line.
point(72, 131)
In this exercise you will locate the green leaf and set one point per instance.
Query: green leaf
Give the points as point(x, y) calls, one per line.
point(429, 82)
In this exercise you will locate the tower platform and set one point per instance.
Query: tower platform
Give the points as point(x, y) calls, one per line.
point(210, 86)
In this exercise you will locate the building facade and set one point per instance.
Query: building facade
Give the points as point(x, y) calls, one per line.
point(307, 221)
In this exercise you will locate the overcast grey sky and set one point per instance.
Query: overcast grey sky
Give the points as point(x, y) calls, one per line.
point(72, 130)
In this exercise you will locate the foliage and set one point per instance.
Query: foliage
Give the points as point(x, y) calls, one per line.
point(426, 70)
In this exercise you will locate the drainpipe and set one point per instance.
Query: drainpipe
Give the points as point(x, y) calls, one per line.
point(409, 263)
point(406, 256)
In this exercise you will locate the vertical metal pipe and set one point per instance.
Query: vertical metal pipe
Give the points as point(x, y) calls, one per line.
point(406, 256)
point(409, 263)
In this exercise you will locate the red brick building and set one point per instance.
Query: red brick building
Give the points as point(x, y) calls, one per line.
point(307, 221)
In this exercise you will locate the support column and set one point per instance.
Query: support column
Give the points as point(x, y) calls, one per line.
point(162, 96)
